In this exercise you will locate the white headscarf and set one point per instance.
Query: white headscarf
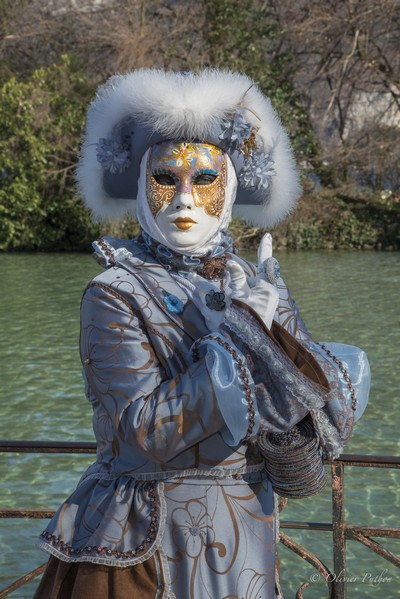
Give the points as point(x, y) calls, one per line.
point(215, 237)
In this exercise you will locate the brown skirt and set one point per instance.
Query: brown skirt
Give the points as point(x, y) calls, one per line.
point(82, 580)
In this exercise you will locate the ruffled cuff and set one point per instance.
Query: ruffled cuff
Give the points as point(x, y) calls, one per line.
point(233, 386)
point(354, 374)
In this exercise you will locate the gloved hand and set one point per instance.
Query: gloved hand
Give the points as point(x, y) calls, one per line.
point(262, 297)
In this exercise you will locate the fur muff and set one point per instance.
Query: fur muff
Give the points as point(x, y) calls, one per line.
point(184, 106)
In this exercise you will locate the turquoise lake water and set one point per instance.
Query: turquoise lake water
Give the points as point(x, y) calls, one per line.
point(351, 297)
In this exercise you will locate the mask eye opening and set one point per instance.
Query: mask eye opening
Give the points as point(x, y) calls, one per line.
point(204, 177)
point(164, 177)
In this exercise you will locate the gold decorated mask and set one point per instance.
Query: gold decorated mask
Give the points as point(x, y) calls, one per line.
point(185, 167)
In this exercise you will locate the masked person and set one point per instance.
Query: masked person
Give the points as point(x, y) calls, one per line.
point(199, 370)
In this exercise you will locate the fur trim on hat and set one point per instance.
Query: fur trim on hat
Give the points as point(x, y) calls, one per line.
point(161, 105)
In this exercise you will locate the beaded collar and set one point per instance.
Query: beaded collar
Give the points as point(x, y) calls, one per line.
point(211, 266)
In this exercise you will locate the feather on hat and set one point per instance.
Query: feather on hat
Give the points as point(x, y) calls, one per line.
point(134, 111)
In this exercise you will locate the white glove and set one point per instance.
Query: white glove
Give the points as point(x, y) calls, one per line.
point(263, 297)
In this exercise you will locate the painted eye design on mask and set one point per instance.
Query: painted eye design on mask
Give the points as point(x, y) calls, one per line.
point(209, 185)
point(164, 179)
point(161, 189)
point(205, 178)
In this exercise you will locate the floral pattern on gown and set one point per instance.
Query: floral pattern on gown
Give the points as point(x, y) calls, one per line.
point(165, 483)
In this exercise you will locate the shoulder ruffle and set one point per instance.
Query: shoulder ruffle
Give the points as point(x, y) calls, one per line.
point(109, 250)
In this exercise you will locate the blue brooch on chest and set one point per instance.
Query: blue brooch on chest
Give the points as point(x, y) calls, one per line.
point(215, 300)
point(173, 303)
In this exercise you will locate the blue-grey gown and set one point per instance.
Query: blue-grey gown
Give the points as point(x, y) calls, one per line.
point(173, 478)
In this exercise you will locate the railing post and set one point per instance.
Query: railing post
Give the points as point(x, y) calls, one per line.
point(338, 528)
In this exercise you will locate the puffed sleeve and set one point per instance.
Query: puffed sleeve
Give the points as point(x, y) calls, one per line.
point(347, 372)
point(292, 375)
point(156, 416)
point(346, 366)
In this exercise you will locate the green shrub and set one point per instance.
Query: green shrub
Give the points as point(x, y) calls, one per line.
point(41, 121)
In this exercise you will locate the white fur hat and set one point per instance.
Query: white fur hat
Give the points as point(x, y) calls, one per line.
point(132, 112)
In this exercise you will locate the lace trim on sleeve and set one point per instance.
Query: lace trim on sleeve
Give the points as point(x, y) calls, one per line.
point(305, 391)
